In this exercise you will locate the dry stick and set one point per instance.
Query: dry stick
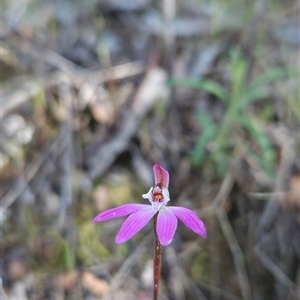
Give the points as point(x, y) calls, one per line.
point(224, 295)
point(28, 174)
point(236, 253)
point(25, 90)
point(79, 76)
point(191, 286)
point(222, 195)
point(20, 94)
point(156, 261)
point(216, 208)
point(288, 155)
point(66, 159)
point(196, 288)
point(174, 130)
point(175, 284)
point(214, 250)
point(126, 268)
point(151, 89)
point(231, 238)
point(275, 270)
point(76, 73)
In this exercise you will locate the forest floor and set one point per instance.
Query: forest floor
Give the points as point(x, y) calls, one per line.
point(94, 93)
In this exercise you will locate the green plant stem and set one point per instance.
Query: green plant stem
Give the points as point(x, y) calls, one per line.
point(238, 72)
point(156, 261)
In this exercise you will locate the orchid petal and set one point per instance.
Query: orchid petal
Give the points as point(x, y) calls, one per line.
point(161, 176)
point(134, 223)
point(189, 219)
point(120, 211)
point(166, 226)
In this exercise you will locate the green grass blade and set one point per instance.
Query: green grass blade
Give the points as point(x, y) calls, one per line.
point(253, 95)
point(266, 157)
point(208, 134)
point(238, 71)
point(207, 85)
point(270, 76)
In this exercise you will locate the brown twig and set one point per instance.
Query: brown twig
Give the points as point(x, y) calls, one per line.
point(288, 155)
point(152, 88)
point(236, 253)
point(66, 158)
point(267, 224)
point(28, 174)
point(222, 195)
point(216, 208)
point(174, 128)
point(126, 268)
point(275, 270)
point(175, 284)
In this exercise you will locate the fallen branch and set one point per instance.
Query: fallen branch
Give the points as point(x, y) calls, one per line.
point(152, 88)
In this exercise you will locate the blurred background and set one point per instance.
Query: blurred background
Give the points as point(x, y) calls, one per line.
point(95, 92)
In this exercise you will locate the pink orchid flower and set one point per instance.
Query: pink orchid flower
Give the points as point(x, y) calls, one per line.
point(140, 214)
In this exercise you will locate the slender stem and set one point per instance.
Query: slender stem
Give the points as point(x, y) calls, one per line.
point(156, 261)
